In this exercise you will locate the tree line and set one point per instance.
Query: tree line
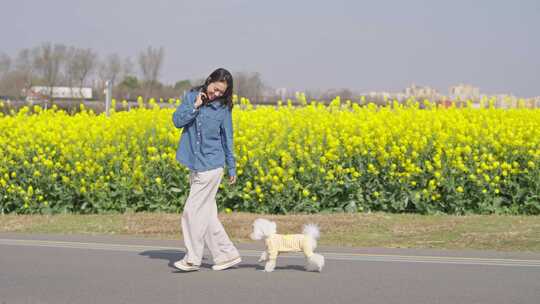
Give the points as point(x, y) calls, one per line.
point(55, 64)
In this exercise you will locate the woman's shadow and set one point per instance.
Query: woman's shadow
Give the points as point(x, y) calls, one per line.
point(172, 256)
point(169, 255)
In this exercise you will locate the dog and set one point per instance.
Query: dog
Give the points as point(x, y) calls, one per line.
point(264, 229)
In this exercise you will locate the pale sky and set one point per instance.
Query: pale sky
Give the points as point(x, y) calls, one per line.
point(362, 45)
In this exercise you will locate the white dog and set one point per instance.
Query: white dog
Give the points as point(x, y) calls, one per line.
point(275, 243)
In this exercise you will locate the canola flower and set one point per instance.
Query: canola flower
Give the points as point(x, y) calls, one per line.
point(339, 157)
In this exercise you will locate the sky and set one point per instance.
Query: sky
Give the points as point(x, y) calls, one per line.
point(362, 45)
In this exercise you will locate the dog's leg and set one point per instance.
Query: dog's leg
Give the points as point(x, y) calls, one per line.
point(314, 262)
point(272, 257)
point(270, 265)
point(264, 256)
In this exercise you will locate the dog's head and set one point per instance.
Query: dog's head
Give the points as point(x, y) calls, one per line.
point(262, 228)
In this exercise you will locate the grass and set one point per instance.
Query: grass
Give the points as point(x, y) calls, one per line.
point(493, 232)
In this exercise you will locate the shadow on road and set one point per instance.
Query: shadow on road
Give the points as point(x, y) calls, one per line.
point(169, 255)
point(172, 256)
point(261, 267)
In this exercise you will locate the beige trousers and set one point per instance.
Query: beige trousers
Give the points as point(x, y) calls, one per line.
point(200, 223)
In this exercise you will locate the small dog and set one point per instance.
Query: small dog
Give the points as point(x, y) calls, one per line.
point(275, 243)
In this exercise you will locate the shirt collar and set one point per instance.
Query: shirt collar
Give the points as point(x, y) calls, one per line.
point(216, 103)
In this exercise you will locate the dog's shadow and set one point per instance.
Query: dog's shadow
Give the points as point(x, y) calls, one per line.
point(261, 267)
point(172, 256)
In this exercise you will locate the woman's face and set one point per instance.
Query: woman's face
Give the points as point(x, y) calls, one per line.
point(216, 89)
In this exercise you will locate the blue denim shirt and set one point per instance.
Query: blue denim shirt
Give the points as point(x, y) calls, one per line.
point(207, 136)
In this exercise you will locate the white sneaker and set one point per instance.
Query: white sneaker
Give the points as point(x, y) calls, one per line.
point(185, 266)
point(227, 264)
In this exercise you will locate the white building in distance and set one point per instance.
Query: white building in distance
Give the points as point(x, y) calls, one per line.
point(422, 92)
point(42, 92)
point(464, 92)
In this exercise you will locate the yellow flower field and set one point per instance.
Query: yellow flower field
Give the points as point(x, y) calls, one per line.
point(311, 158)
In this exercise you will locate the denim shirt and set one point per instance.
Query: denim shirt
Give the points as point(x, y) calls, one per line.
point(207, 136)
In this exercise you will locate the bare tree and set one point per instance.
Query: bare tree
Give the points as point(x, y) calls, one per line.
point(25, 64)
point(87, 63)
point(5, 63)
point(150, 62)
point(5, 66)
point(256, 86)
point(49, 62)
point(127, 67)
point(80, 63)
point(111, 68)
point(249, 85)
point(71, 68)
point(25, 69)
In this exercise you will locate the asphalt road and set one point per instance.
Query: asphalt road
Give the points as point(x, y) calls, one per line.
point(105, 269)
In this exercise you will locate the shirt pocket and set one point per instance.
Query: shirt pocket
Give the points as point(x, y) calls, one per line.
point(211, 126)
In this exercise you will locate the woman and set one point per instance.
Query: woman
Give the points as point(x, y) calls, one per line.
point(205, 146)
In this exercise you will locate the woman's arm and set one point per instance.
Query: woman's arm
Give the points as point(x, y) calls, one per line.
point(227, 142)
point(186, 111)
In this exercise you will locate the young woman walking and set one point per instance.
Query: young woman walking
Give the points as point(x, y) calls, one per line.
point(206, 145)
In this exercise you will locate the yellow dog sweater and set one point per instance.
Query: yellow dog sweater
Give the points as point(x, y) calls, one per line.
point(276, 243)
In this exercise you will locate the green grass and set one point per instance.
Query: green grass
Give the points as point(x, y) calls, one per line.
point(493, 232)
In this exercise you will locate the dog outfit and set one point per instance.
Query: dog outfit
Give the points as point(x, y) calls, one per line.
point(276, 243)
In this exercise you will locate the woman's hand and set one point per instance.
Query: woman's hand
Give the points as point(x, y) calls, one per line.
point(199, 100)
point(232, 179)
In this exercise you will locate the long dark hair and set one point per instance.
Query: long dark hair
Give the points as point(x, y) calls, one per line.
point(224, 76)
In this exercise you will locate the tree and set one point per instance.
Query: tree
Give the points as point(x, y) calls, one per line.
point(248, 85)
point(128, 87)
point(16, 75)
point(87, 60)
point(130, 82)
point(111, 68)
point(150, 63)
point(127, 67)
point(79, 64)
point(25, 65)
point(49, 62)
point(182, 85)
point(5, 63)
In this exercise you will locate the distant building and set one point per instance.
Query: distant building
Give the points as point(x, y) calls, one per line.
point(536, 102)
point(43, 92)
point(464, 92)
point(379, 97)
point(422, 92)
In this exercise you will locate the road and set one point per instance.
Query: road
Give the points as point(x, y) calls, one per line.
point(112, 269)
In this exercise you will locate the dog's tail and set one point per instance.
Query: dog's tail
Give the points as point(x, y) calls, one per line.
point(312, 230)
